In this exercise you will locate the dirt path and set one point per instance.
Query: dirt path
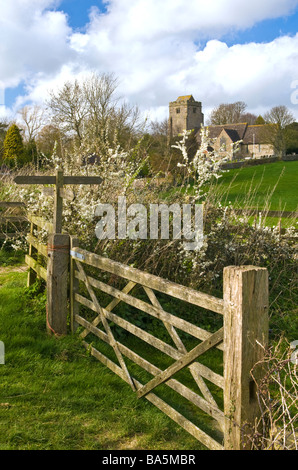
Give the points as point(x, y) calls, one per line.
point(10, 269)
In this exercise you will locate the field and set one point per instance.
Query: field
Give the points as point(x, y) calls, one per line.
point(270, 187)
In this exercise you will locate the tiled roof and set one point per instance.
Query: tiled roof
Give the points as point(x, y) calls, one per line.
point(185, 98)
point(235, 131)
point(254, 134)
point(242, 131)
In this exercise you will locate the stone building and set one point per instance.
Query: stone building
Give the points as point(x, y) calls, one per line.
point(185, 114)
point(251, 139)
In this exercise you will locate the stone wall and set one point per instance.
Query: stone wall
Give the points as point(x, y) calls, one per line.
point(259, 161)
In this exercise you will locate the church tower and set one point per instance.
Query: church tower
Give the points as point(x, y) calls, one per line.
point(185, 114)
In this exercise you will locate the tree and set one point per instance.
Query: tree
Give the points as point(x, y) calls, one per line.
point(69, 108)
point(260, 121)
point(90, 108)
point(13, 146)
point(47, 138)
point(32, 120)
point(292, 138)
point(276, 131)
point(228, 113)
point(3, 129)
point(99, 94)
point(250, 118)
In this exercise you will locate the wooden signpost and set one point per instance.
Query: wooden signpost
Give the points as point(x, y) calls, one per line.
point(58, 245)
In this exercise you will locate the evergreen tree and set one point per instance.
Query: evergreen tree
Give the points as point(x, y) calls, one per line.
point(3, 127)
point(260, 121)
point(13, 146)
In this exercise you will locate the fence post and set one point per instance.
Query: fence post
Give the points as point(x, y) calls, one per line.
point(57, 283)
point(31, 274)
point(246, 337)
point(74, 287)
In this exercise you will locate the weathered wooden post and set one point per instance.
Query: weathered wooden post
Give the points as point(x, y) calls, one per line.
point(57, 283)
point(58, 246)
point(245, 339)
point(58, 264)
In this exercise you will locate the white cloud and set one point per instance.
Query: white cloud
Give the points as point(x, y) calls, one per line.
point(33, 40)
point(152, 19)
point(152, 47)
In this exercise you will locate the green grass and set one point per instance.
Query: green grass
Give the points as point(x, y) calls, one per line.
point(54, 396)
point(272, 186)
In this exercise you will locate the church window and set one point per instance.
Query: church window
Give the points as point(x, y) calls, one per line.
point(178, 110)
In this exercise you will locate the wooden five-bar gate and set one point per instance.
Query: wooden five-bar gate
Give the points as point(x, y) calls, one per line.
point(80, 282)
point(240, 340)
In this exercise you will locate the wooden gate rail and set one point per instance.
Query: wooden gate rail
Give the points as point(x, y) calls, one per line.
point(36, 249)
point(183, 358)
point(154, 282)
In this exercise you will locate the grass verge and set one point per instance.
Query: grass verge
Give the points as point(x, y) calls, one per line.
point(53, 396)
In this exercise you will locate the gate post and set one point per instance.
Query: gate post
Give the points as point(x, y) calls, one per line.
point(246, 329)
point(57, 283)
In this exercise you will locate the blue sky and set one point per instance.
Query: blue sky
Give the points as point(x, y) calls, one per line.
point(219, 51)
point(267, 30)
point(78, 11)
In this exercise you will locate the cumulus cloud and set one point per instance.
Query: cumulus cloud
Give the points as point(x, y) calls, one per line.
point(143, 20)
point(33, 40)
point(153, 47)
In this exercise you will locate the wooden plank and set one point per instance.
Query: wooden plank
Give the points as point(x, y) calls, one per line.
point(134, 330)
point(246, 336)
point(159, 403)
point(12, 204)
point(155, 342)
point(40, 247)
point(196, 432)
point(35, 179)
point(74, 287)
point(156, 312)
point(82, 180)
point(171, 330)
point(41, 223)
point(180, 346)
point(107, 362)
point(110, 307)
point(177, 386)
point(41, 271)
point(101, 312)
point(186, 360)
point(154, 282)
point(31, 278)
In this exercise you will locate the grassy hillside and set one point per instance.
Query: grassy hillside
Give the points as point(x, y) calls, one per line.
point(275, 184)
